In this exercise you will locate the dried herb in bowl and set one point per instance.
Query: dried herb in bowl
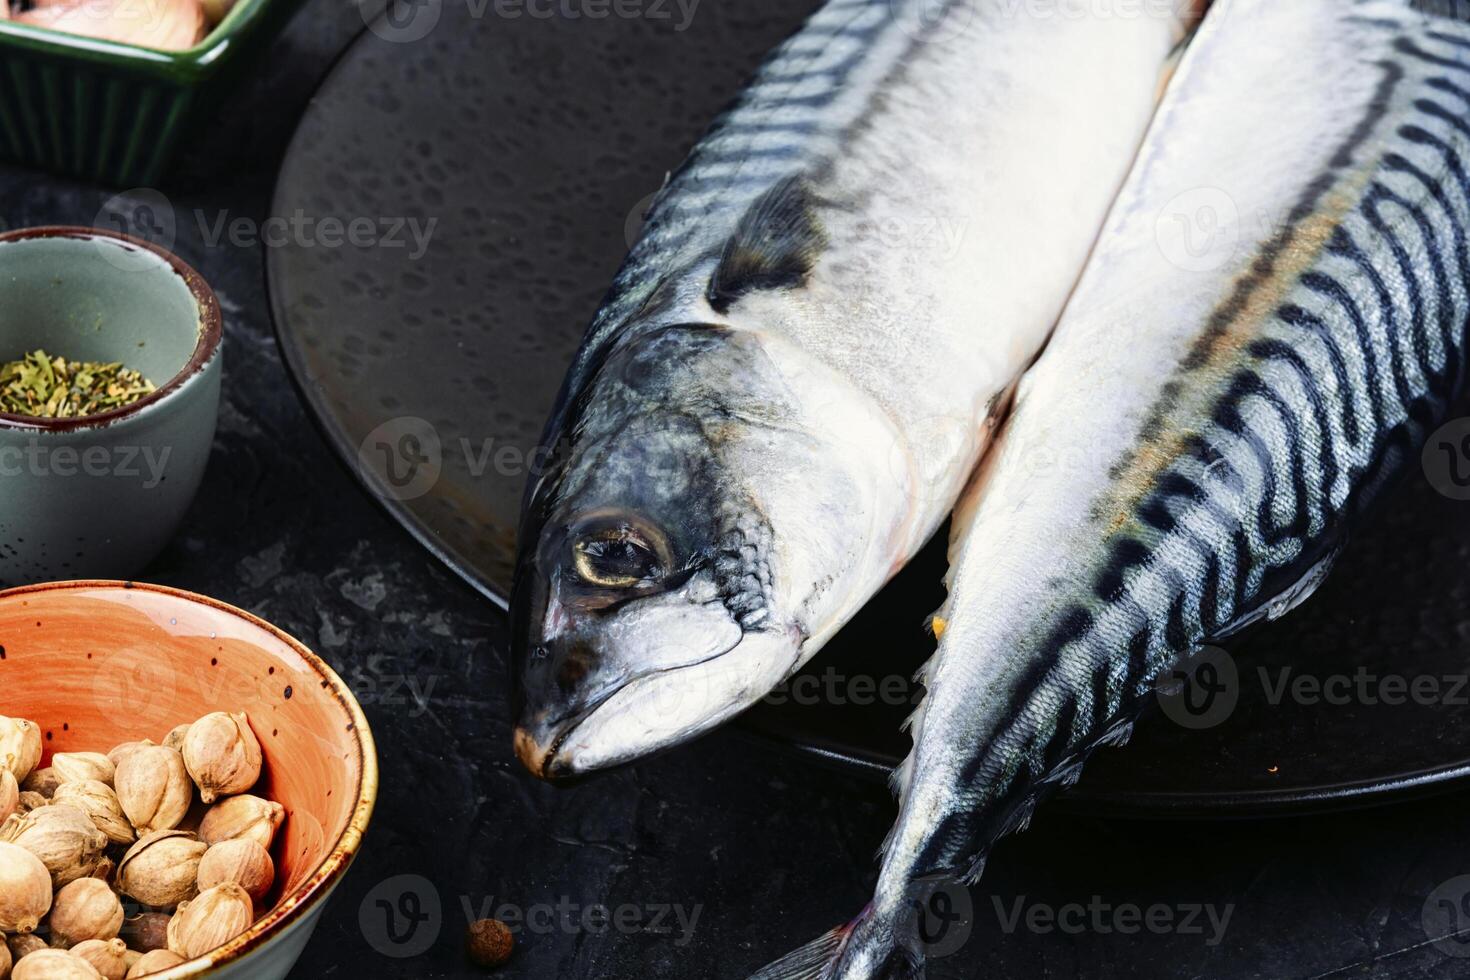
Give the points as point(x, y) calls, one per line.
point(43, 386)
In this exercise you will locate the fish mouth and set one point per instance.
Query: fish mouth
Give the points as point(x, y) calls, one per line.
point(655, 710)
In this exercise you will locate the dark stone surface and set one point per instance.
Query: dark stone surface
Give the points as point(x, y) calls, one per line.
point(767, 848)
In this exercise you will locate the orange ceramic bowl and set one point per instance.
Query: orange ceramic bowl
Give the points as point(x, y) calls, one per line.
point(98, 663)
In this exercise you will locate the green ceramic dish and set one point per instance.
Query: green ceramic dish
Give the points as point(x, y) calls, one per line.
point(100, 495)
point(116, 113)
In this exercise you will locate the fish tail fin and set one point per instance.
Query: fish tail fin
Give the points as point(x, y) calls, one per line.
point(814, 961)
point(864, 949)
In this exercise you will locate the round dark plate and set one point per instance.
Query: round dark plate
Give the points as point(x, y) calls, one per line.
point(496, 169)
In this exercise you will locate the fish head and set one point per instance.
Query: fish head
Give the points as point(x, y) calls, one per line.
point(652, 598)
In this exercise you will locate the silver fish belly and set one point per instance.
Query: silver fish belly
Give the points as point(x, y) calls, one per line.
point(1221, 400)
point(794, 373)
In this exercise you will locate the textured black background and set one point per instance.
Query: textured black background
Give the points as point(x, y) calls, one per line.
point(768, 848)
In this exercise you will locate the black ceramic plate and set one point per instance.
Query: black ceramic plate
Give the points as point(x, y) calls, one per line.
point(520, 150)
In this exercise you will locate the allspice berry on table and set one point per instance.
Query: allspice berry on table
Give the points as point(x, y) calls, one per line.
point(490, 943)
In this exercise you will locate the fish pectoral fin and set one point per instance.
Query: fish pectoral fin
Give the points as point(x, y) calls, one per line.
point(775, 245)
point(1287, 599)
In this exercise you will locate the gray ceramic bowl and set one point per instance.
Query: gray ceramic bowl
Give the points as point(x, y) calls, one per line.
point(100, 495)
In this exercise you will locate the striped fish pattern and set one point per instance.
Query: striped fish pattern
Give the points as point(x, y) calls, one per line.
point(806, 351)
point(1213, 414)
point(813, 89)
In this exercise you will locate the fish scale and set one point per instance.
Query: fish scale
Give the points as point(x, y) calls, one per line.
point(1254, 409)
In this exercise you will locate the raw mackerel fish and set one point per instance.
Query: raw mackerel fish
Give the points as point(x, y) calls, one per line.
point(1273, 321)
point(794, 372)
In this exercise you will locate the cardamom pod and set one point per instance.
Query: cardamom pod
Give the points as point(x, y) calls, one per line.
point(99, 802)
point(162, 868)
point(85, 909)
point(154, 788)
point(218, 915)
point(222, 755)
point(62, 836)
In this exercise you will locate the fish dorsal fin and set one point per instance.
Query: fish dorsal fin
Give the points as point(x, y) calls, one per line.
point(1455, 9)
point(775, 245)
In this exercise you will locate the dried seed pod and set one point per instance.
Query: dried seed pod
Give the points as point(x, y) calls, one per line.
point(242, 816)
point(72, 766)
point(20, 746)
point(154, 788)
point(175, 738)
point(25, 890)
point(222, 755)
point(104, 870)
point(154, 961)
point(43, 781)
point(162, 868)
point(85, 909)
point(147, 931)
point(99, 802)
point(29, 801)
point(242, 861)
point(62, 836)
point(218, 915)
point(23, 945)
point(53, 964)
point(9, 795)
point(108, 957)
point(116, 753)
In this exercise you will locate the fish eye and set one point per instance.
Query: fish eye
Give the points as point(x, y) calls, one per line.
point(616, 557)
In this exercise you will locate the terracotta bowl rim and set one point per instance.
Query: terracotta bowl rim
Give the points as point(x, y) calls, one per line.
point(294, 905)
